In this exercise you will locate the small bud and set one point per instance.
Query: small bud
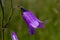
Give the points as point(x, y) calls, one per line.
point(13, 35)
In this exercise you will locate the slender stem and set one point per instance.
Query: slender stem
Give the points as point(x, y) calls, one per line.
point(3, 34)
point(2, 7)
point(10, 15)
point(3, 27)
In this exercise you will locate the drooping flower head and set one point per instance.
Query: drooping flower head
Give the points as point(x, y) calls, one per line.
point(31, 20)
point(13, 35)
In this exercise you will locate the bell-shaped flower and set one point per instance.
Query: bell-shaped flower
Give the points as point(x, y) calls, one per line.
point(31, 20)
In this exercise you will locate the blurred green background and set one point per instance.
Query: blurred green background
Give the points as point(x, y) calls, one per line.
point(43, 9)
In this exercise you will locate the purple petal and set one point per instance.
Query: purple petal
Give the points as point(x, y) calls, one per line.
point(31, 20)
point(14, 37)
point(31, 30)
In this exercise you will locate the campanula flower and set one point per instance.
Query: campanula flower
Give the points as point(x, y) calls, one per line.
point(31, 20)
point(13, 35)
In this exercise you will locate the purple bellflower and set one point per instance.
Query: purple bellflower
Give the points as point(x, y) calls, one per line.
point(31, 20)
point(14, 37)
